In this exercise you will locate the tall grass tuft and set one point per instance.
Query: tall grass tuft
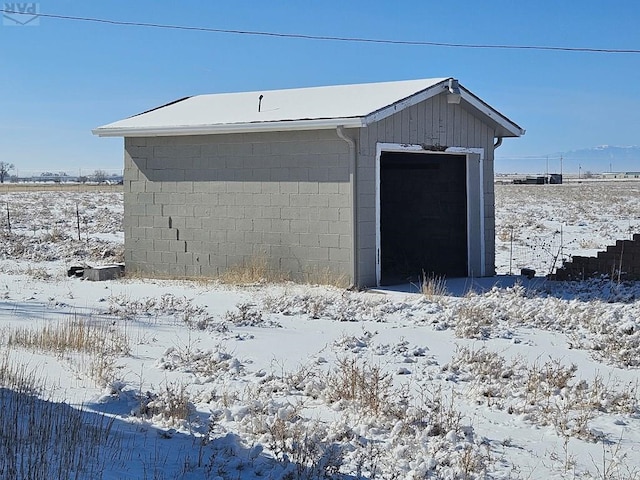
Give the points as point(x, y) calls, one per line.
point(367, 387)
point(72, 335)
point(433, 286)
point(255, 270)
point(41, 439)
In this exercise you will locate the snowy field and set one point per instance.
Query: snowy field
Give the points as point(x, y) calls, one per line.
point(150, 379)
point(537, 226)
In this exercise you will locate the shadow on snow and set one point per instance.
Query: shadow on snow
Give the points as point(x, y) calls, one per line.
point(600, 289)
point(55, 440)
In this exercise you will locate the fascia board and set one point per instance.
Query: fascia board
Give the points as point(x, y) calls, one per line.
point(177, 130)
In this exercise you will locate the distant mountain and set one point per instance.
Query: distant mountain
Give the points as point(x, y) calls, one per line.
point(600, 159)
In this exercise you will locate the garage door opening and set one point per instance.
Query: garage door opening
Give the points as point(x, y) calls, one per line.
point(423, 216)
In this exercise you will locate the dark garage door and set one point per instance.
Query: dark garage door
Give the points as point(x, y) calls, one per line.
point(423, 216)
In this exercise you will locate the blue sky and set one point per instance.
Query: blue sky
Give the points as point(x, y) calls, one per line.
point(61, 78)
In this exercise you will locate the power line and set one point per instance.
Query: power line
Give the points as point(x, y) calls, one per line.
point(302, 36)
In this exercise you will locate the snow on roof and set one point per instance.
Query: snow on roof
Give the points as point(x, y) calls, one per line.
point(289, 109)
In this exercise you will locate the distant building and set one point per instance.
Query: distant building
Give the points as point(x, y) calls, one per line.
point(551, 178)
point(621, 175)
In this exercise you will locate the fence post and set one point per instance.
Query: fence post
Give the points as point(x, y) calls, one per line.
point(78, 220)
point(510, 250)
point(8, 218)
point(562, 242)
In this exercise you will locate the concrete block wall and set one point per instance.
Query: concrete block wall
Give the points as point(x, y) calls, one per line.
point(621, 260)
point(197, 205)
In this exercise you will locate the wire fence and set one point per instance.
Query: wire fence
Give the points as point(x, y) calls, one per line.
point(544, 252)
point(541, 253)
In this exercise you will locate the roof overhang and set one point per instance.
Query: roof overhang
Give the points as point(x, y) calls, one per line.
point(283, 125)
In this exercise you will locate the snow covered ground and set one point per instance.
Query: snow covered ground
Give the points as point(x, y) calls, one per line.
point(538, 226)
point(158, 379)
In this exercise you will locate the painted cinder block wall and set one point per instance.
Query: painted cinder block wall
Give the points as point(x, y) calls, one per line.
point(197, 205)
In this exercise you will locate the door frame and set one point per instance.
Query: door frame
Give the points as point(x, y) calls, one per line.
point(472, 155)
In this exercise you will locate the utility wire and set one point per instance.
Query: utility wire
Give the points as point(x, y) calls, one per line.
point(328, 37)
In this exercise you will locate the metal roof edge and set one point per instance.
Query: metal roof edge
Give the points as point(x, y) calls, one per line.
point(283, 125)
point(162, 106)
point(406, 102)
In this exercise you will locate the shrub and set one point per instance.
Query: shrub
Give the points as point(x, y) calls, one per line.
point(364, 386)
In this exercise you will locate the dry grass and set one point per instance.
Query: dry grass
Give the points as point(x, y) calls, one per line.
point(433, 286)
point(182, 309)
point(17, 378)
point(253, 271)
point(609, 208)
point(318, 275)
point(307, 446)
point(201, 363)
point(258, 270)
point(365, 386)
point(73, 335)
point(548, 393)
point(473, 321)
point(38, 273)
point(97, 344)
point(172, 405)
point(41, 439)
point(132, 274)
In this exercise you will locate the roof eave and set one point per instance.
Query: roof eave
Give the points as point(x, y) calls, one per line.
point(277, 126)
